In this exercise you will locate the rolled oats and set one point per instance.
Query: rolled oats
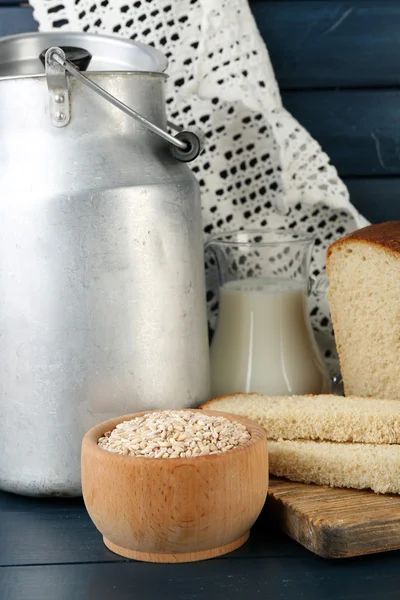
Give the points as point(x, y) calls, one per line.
point(174, 434)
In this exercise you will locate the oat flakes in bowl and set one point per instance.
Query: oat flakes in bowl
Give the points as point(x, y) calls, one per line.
point(178, 508)
point(174, 434)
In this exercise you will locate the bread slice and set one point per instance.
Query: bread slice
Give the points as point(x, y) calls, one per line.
point(363, 269)
point(323, 417)
point(359, 466)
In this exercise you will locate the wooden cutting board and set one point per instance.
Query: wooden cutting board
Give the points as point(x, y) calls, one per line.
point(335, 523)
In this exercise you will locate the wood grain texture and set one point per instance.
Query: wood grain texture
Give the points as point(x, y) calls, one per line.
point(175, 509)
point(378, 199)
point(336, 523)
point(358, 129)
point(329, 44)
point(43, 534)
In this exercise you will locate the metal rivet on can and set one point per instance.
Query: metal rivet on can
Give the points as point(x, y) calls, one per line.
point(59, 98)
point(59, 116)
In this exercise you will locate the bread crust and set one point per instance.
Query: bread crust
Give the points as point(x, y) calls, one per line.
point(385, 235)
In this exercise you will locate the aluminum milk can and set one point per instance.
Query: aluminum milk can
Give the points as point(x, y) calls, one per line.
point(102, 295)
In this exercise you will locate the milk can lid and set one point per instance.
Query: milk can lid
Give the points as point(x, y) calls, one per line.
point(20, 54)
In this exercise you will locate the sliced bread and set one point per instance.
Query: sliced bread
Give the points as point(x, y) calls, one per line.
point(323, 417)
point(363, 269)
point(359, 466)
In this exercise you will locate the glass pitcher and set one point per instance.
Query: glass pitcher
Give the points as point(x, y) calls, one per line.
point(264, 341)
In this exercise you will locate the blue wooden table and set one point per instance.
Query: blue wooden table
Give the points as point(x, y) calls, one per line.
point(49, 550)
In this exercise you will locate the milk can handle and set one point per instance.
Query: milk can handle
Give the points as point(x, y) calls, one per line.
point(185, 145)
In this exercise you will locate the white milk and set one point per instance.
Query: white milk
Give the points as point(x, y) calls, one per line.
point(263, 342)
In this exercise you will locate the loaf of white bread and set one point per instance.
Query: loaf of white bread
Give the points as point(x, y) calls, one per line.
point(328, 440)
point(363, 269)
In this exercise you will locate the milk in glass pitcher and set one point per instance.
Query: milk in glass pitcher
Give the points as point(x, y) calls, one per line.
point(264, 341)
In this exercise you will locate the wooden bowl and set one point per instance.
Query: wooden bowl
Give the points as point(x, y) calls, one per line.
point(175, 509)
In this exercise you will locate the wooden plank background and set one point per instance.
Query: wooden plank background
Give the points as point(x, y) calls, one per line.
point(338, 68)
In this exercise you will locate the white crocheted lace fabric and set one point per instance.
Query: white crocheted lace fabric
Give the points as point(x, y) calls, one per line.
point(260, 167)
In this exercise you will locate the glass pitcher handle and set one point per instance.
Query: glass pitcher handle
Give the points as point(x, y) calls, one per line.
point(337, 385)
point(318, 285)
